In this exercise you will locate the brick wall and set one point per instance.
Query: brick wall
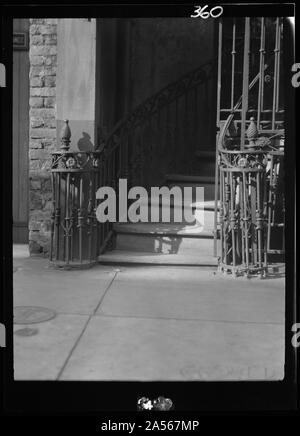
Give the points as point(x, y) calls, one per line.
point(42, 133)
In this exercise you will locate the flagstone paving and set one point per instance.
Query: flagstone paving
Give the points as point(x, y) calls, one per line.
point(147, 323)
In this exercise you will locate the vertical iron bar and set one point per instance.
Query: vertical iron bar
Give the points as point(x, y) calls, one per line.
point(245, 81)
point(95, 222)
point(72, 217)
point(278, 68)
point(259, 218)
point(64, 215)
point(57, 216)
point(90, 216)
point(261, 71)
point(221, 212)
point(219, 72)
point(276, 50)
point(226, 215)
point(241, 201)
point(217, 136)
point(270, 203)
point(67, 219)
point(265, 212)
point(80, 223)
point(232, 222)
point(253, 200)
point(224, 258)
point(233, 53)
point(52, 214)
point(245, 190)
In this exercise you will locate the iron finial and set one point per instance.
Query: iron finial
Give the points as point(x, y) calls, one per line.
point(252, 132)
point(65, 136)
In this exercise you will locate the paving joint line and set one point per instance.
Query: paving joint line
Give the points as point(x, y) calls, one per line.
point(84, 329)
point(105, 315)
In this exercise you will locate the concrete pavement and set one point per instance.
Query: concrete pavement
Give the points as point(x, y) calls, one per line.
point(148, 323)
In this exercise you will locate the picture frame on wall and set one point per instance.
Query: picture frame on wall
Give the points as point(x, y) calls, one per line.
point(20, 41)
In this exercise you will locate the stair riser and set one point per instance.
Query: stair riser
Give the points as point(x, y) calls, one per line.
point(209, 189)
point(135, 258)
point(208, 222)
point(164, 244)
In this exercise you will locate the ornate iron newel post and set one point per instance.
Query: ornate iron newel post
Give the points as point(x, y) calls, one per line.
point(75, 231)
point(248, 208)
point(249, 199)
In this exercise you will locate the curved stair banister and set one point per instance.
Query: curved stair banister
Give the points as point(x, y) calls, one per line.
point(117, 139)
point(248, 180)
point(77, 237)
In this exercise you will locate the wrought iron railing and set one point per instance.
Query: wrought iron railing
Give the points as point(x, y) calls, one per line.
point(249, 209)
point(168, 121)
point(75, 232)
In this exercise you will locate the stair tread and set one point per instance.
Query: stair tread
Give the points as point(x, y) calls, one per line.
point(208, 204)
point(190, 179)
point(164, 229)
point(122, 257)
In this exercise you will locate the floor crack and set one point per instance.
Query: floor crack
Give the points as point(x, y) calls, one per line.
point(85, 327)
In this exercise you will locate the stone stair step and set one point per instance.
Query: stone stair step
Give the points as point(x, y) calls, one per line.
point(120, 257)
point(190, 180)
point(166, 215)
point(166, 244)
point(209, 205)
point(209, 188)
point(175, 229)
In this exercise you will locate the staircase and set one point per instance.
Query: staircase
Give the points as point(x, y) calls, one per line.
point(170, 243)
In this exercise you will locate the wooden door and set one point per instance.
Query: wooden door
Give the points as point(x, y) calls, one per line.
point(20, 135)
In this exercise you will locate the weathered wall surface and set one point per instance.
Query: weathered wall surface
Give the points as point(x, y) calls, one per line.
point(62, 85)
point(76, 76)
point(163, 49)
point(42, 133)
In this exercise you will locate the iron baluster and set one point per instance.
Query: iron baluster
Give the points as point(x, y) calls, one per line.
point(80, 219)
point(245, 80)
point(67, 220)
point(232, 221)
point(278, 66)
point(261, 72)
point(275, 87)
point(246, 219)
point(72, 217)
point(52, 215)
point(89, 221)
point(57, 217)
point(259, 220)
point(221, 223)
point(233, 53)
point(243, 231)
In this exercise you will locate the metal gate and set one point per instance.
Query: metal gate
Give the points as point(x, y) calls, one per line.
point(249, 206)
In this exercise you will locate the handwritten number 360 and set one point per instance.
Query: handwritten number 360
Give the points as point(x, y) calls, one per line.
point(200, 12)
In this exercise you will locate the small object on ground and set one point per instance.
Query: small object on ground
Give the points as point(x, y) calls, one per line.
point(32, 314)
point(27, 331)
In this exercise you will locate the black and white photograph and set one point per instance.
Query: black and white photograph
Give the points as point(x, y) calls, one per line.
point(149, 206)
